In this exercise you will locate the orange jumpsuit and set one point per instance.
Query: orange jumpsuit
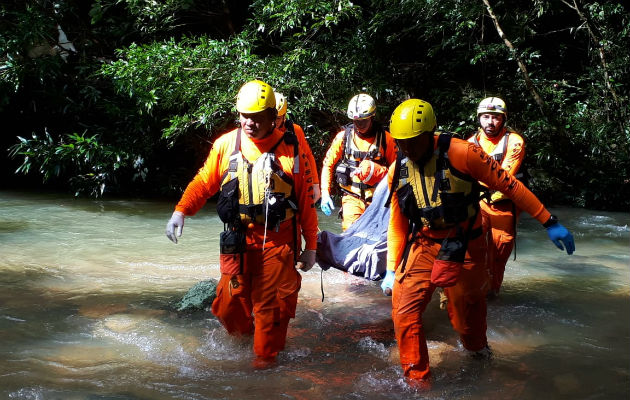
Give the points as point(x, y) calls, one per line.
point(499, 215)
point(413, 289)
point(352, 206)
point(269, 285)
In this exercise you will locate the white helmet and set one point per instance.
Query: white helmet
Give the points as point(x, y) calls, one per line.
point(361, 106)
point(492, 105)
point(281, 103)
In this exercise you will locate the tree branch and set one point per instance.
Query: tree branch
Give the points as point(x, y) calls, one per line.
point(600, 49)
point(521, 64)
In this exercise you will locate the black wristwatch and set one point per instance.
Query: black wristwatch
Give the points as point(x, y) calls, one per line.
point(551, 221)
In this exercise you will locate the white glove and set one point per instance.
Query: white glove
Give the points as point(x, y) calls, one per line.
point(388, 283)
point(327, 204)
point(175, 226)
point(306, 260)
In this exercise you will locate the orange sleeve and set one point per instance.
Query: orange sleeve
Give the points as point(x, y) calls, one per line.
point(207, 182)
point(473, 161)
point(390, 157)
point(333, 155)
point(515, 153)
point(311, 167)
point(398, 228)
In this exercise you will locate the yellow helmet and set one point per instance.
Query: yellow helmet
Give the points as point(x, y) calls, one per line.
point(361, 106)
point(411, 118)
point(281, 104)
point(255, 96)
point(492, 105)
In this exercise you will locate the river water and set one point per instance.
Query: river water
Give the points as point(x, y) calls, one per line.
point(88, 288)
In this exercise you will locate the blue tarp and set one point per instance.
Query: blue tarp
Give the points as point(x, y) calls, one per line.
point(362, 249)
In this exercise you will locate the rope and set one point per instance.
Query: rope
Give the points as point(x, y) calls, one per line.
point(267, 172)
point(321, 282)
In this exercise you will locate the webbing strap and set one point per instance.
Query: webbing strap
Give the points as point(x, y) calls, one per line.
point(444, 142)
point(395, 178)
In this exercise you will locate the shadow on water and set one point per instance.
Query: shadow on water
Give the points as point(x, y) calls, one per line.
point(33, 305)
point(12, 226)
point(124, 207)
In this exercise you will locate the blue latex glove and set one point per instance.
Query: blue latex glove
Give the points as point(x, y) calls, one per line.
point(327, 204)
point(388, 283)
point(559, 235)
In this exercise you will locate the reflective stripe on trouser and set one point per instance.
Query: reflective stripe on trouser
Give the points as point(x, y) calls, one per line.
point(498, 222)
point(268, 289)
point(352, 208)
point(412, 293)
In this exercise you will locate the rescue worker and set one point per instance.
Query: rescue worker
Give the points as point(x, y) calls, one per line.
point(264, 196)
point(499, 215)
point(435, 236)
point(284, 124)
point(357, 160)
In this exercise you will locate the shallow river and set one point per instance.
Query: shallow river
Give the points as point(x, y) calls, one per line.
point(88, 288)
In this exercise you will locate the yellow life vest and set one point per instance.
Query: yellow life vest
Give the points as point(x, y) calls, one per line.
point(435, 195)
point(351, 159)
point(266, 192)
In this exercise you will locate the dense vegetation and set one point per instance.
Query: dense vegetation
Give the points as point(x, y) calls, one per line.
point(134, 108)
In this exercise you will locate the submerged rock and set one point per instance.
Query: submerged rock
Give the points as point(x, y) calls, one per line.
point(199, 296)
point(102, 310)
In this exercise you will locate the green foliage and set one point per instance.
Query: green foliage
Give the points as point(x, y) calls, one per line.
point(158, 74)
point(62, 93)
point(150, 16)
point(25, 47)
point(198, 78)
point(587, 155)
point(91, 165)
point(195, 79)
